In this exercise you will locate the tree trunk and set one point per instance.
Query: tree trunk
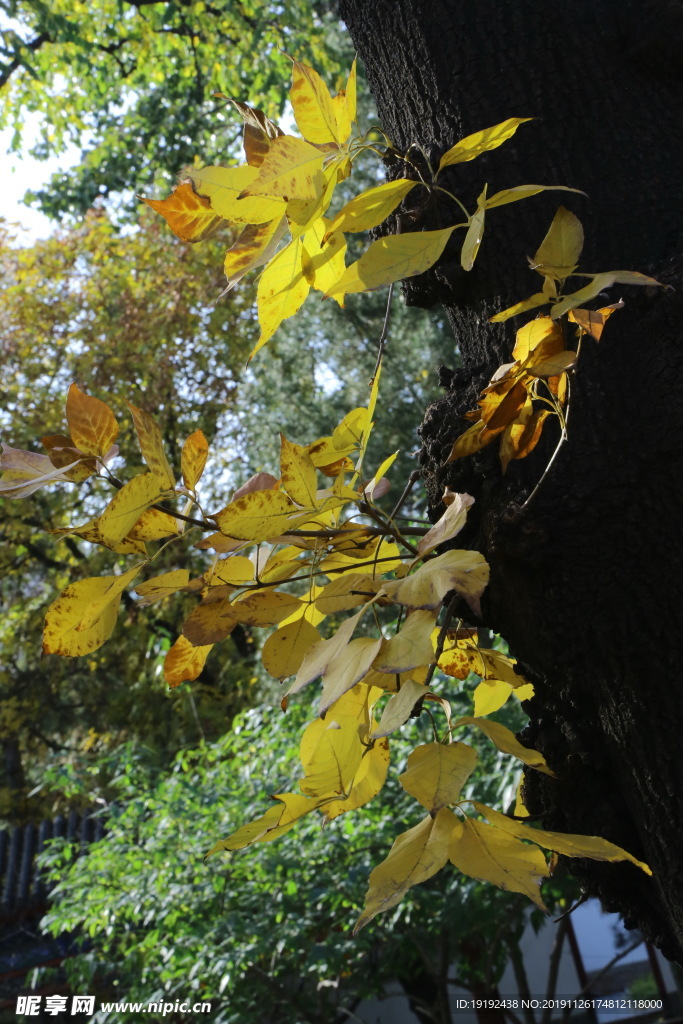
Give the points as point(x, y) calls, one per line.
point(585, 580)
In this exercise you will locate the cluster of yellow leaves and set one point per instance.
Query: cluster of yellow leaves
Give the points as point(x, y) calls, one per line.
point(286, 187)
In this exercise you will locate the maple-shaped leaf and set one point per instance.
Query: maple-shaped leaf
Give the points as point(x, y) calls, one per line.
point(491, 855)
point(84, 614)
point(189, 216)
point(415, 856)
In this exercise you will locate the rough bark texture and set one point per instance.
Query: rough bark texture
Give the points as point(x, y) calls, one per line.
point(586, 579)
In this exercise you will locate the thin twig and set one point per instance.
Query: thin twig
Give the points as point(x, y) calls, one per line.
point(382, 344)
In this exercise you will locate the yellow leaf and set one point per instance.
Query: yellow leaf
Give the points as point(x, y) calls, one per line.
point(189, 216)
point(282, 289)
point(399, 708)
point(154, 525)
point(484, 852)
point(507, 742)
point(351, 92)
point(349, 668)
point(593, 321)
point(392, 259)
point(341, 115)
point(486, 661)
point(415, 856)
point(256, 245)
point(162, 586)
point(347, 591)
point(302, 214)
point(265, 608)
point(127, 505)
point(184, 662)
point(92, 425)
point(598, 284)
point(450, 524)
point(258, 516)
point(258, 132)
point(540, 338)
point(558, 253)
point(285, 649)
point(335, 760)
point(464, 571)
point(512, 195)
point(367, 781)
point(350, 432)
point(370, 208)
point(561, 842)
point(282, 564)
point(314, 111)
point(235, 571)
point(209, 623)
point(372, 485)
point(474, 235)
point(553, 366)
point(152, 447)
point(193, 459)
point(292, 169)
point(250, 833)
point(539, 299)
point(224, 187)
point(411, 647)
point(490, 695)
point(473, 440)
point(474, 145)
point(323, 262)
point(84, 614)
point(321, 654)
point(436, 773)
point(299, 477)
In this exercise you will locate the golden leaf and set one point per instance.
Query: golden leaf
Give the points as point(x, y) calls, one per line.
point(411, 647)
point(127, 505)
point(392, 259)
point(292, 169)
point(258, 516)
point(562, 842)
point(162, 586)
point(286, 648)
point(299, 477)
point(367, 782)
point(507, 742)
point(256, 245)
point(209, 623)
point(436, 773)
point(347, 591)
point(189, 216)
point(91, 423)
point(84, 614)
point(184, 662)
point(474, 235)
point(282, 289)
point(349, 668)
point(370, 208)
point(266, 608)
point(312, 105)
point(470, 442)
point(484, 852)
point(193, 459)
point(399, 708)
point(558, 253)
point(415, 856)
point(152, 447)
point(448, 526)
point(154, 525)
point(322, 256)
point(480, 142)
point(490, 695)
point(224, 186)
point(335, 759)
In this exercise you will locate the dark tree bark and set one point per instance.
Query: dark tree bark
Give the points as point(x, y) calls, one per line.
point(586, 579)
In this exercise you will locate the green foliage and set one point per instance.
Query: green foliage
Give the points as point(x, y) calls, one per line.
point(266, 934)
point(134, 83)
